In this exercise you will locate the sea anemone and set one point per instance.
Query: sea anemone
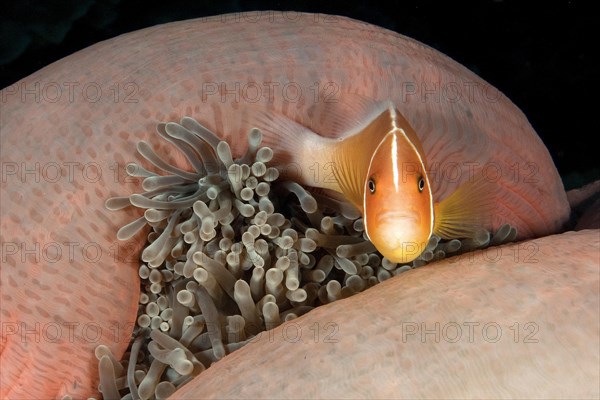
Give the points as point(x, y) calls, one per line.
point(234, 251)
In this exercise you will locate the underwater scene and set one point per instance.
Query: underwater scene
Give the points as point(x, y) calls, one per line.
point(273, 200)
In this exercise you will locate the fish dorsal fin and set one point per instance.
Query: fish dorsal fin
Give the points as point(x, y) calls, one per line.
point(353, 156)
point(343, 115)
point(466, 211)
point(407, 129)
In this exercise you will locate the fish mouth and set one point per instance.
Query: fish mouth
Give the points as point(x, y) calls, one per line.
point(392, 217)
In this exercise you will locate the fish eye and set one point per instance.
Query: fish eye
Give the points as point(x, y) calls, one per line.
point(371, 185)
point(421, 184)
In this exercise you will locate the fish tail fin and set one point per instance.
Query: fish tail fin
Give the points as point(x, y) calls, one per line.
point(465, 212)
point(297, 150)
point(284, 136)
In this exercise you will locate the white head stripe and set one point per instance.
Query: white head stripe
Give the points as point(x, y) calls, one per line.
point(395, 172)
point(424, 174)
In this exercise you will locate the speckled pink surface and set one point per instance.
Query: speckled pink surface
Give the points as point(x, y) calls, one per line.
point(516, 321)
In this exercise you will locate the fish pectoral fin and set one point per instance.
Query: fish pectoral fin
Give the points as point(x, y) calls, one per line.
point(465, 212)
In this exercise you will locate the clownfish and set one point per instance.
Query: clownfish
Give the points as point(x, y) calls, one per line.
point(380, 167)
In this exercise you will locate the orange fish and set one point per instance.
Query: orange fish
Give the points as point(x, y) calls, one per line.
point(380, 167)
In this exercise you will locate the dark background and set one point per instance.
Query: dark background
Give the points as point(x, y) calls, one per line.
point(543, 57)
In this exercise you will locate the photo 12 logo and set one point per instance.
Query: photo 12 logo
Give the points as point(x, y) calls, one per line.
point(469, 332)
point(269, 92)
point(65, 332)
point(253, 17)
point(71, 92)
point(52, 254)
